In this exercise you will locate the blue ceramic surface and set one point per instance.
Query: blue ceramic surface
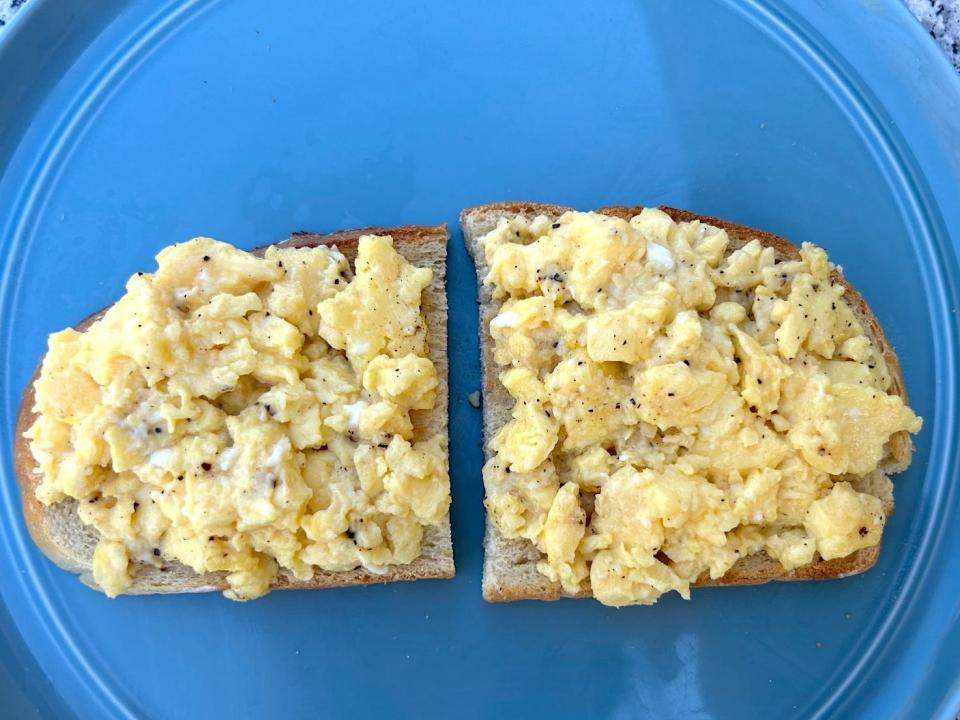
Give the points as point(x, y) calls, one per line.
point(125, 126)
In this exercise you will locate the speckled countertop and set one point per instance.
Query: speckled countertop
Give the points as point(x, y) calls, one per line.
point(8, 8)
point(941, 18)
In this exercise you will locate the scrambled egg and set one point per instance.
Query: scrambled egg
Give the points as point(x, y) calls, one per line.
point(248, 415)
point(678, 405)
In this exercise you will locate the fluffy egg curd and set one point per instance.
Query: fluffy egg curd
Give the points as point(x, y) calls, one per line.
point(249, 415)
point(678, 405)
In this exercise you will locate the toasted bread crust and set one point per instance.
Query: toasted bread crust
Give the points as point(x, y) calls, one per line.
point(423, 245)
point(502, 581)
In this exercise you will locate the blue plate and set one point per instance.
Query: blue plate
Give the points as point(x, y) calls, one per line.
point(125, 126)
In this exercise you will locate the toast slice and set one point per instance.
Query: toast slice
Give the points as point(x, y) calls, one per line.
point(510, 566)
point(60, 534)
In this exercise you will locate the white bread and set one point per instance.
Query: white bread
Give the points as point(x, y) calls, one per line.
point(509, 569)
point(60, 534)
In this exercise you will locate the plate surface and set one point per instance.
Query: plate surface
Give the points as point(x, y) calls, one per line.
point(130, 125)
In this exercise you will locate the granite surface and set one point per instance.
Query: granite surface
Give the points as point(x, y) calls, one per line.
point(941, 18)
point(8, 8)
